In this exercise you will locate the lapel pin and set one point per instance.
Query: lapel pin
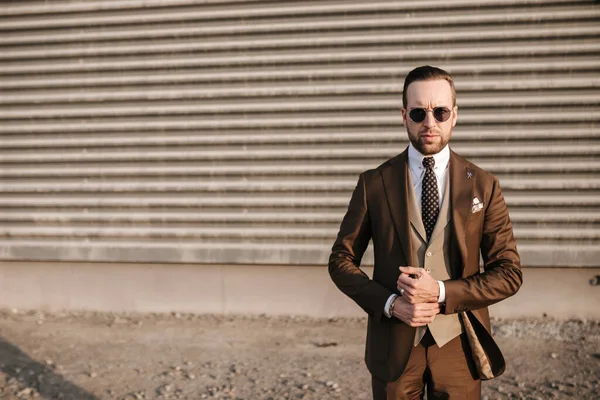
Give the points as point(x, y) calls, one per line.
point(469, 174)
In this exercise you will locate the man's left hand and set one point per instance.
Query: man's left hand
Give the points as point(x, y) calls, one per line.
point(421, 288)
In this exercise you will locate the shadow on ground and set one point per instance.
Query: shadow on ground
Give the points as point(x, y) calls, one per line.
point(30, 373)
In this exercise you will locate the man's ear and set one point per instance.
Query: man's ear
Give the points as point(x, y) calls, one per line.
point(403, 110)
point(454, 116)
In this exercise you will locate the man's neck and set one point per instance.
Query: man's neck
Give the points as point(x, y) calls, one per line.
point(416, 157)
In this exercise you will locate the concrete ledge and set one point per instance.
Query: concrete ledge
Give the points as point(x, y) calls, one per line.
point(264, 253)
point(251, 289)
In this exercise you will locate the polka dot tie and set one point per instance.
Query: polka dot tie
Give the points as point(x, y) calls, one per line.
point(430, 198)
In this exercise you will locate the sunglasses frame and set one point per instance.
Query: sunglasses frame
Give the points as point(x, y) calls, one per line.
point(433, 111)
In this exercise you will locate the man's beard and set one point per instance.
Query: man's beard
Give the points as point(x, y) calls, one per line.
point(425, 148)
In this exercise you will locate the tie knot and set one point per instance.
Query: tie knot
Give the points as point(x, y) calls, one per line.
point(428, 162)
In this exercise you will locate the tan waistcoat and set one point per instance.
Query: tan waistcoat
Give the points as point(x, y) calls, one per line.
point(435, 258)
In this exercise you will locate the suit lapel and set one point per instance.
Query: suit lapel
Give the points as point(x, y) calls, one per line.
point(413, 210)
point(462, 183)
point(395, 183)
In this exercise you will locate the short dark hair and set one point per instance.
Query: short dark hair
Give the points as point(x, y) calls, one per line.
point(427, 73)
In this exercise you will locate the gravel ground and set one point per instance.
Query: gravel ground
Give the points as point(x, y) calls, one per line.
point(85, 356)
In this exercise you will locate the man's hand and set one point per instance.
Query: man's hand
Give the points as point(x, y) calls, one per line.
point(420, 289)
point(415, 314)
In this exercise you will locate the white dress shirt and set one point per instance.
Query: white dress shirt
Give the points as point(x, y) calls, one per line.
point(417, 171)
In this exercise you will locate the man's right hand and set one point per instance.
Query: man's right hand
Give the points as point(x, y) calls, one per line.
point(415, 314)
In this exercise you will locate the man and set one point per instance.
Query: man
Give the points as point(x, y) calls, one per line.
point(429, 213)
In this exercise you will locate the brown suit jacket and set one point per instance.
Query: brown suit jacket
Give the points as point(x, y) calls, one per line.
point(378, 210)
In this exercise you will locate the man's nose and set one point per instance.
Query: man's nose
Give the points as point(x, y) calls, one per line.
point(429, 120)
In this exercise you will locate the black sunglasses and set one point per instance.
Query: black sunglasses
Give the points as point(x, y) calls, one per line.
point(441, 114)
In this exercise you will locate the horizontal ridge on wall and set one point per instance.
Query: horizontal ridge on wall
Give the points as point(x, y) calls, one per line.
point(38, 7)
point(523, 71)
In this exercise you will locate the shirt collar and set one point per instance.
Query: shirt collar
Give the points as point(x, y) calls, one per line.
point(415, 159)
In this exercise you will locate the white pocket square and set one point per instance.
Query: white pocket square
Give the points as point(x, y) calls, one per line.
point(477, 205)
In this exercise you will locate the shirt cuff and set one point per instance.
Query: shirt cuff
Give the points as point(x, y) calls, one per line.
point(388, 304)
point(442, 297)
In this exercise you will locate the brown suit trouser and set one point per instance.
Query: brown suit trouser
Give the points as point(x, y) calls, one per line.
point(447, 371)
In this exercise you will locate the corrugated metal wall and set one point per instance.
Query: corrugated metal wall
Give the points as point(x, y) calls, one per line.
point(234, 131)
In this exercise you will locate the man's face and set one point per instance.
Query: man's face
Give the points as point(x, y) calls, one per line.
point(429, 136)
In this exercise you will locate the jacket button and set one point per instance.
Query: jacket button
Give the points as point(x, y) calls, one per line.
point(428, 254)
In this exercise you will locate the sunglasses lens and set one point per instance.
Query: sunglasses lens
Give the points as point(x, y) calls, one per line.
point(417, 114)
point(441, 114)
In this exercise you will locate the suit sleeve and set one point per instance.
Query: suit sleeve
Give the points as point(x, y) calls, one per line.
point(347, 252)
point(502, 276)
